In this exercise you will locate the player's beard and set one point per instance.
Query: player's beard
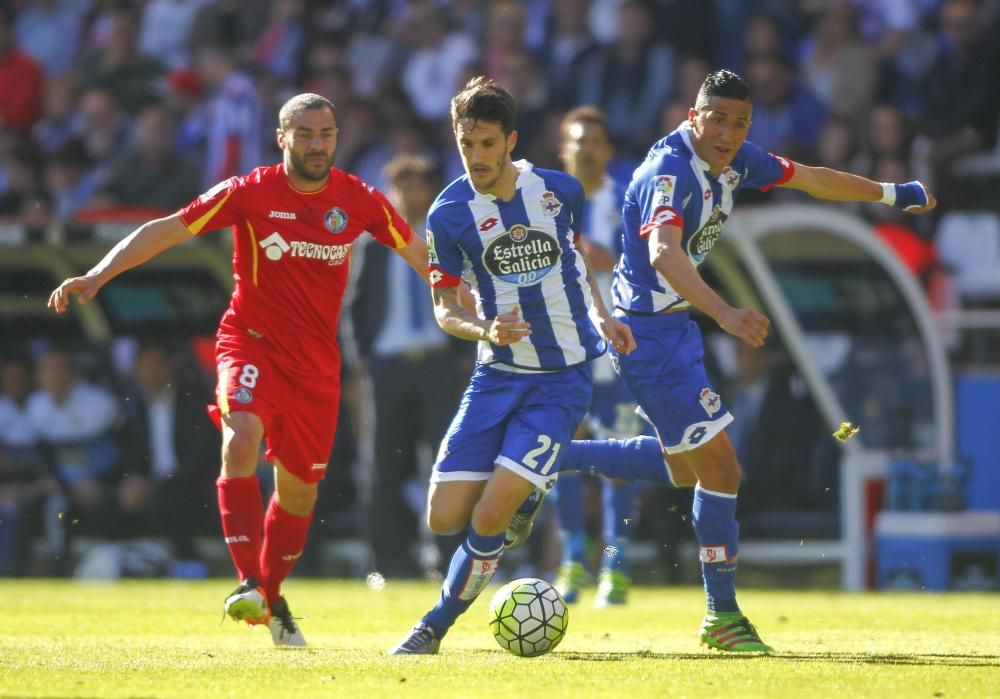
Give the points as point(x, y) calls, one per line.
point(314, 173)
point(501, 166)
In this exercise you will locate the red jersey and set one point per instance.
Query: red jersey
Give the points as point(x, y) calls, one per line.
point(291, 255)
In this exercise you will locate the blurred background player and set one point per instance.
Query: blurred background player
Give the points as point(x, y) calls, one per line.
point(277, 355)
point(513, 231)
point(586, 152)
point(413, 377)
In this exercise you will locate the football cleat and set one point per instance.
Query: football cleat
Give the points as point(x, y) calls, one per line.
point(612, 588)
point(284, 630)
point(523, 520)
point(571, 578)
point(422, 640)
point(248, 603)
point(732, 632)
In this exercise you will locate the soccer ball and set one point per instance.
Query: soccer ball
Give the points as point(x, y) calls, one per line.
point(528, 617)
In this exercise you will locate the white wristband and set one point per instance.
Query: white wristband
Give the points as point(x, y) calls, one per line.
point(888, 194)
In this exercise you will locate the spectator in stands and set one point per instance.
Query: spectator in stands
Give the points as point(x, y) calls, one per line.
point(165, 28)
point(70, 180)
point(278, 49)
point(51, 31)
point(233, 128)
point(26, 483)
point(837, 67)
point(104, 127)
point(569, 46)
point(119, 67)
point(21, 81)
point(19, 177)
point(152, 174)
point(787, 117)
point(168, 486)
point(631, 79)
point(961, 92)
point(231, 23)
point(59, 119)
point(412, 370)
point(77, 423)
point(430, 75)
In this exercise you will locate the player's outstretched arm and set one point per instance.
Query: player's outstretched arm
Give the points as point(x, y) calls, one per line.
point(143, 243)
point(415, 254)
point(672, 262)
point(834, 185)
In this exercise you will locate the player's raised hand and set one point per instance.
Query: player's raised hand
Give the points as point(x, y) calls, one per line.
point(747, 324)
point(85, 288)
point(619, 334)
point(914, 197)
point(508, 328)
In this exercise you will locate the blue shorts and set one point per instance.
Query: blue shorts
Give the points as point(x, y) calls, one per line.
point(522, 422)
point(666, 375)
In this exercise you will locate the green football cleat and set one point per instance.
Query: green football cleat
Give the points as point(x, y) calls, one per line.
point(612, 588)
point(571, 578)
point(732, 632)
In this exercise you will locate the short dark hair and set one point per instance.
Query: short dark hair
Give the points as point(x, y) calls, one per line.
point(306, 100)
point(722, 83)
point(587, 114)
point(482, 99)
point(405, 165)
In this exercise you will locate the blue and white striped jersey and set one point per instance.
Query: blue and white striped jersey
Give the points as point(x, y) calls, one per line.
point(519, 253)
point(602, 216)
point(673, 186)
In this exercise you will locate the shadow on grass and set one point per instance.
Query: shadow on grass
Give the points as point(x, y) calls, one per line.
point(946, 659)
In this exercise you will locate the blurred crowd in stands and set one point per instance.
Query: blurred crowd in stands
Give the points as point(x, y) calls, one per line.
point(111, 107)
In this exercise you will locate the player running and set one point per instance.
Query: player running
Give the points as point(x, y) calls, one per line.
point(675, 209)
point(512, 231)
point(277, 356)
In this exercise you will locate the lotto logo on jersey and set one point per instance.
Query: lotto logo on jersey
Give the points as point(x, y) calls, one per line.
point(522, 256)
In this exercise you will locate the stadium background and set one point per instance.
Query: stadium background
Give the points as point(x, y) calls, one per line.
point(116, 111)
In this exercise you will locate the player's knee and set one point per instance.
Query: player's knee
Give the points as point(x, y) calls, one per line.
point(239, 454)
point(443, 523)
point(490, 518)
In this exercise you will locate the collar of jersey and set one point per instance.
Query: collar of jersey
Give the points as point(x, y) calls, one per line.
point(685, 132)
point(524, 168)
point(299, 191)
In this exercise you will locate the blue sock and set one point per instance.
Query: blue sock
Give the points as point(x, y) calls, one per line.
point(568, 495)
point(618, 501)
point(472, 567)
point(632, 459)
point(714, 516)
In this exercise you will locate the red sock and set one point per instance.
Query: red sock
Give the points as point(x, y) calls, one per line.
point(284, 538)
point(241, 508)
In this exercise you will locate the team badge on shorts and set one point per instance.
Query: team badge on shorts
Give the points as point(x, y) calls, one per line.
point(335, 220)
point(710, 401)
point(243, 395)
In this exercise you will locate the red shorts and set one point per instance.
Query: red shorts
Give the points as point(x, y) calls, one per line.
point(299, 411)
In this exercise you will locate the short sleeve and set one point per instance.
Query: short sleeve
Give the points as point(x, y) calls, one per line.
point(660, 197)
point(217, 208)
point(765, 170)
point(387, 226)
point(444, 257)
point(575, 198)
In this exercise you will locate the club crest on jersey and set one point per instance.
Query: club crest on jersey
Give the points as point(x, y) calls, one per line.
point(705, 238)
point(335, 220)
point(243, 395)
point(730, 177)
point(551, 204)
point(710, 401)
point(522, 255)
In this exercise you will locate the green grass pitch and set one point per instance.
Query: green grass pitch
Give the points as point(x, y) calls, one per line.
point(164, 639)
